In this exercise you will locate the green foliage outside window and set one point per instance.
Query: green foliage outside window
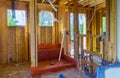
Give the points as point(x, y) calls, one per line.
point(82, 25)
point(19, 20)
point(81, 29)
point(11, 20)
point(103, 25)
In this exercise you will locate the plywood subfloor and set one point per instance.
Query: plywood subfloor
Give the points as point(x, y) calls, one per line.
point(14, 70)
point(68, 73)
point(23, 71)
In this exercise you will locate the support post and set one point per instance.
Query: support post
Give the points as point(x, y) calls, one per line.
point(112, 45)
point(76, 41)
point(111, 32)
point(33, 35)
point(107, 37)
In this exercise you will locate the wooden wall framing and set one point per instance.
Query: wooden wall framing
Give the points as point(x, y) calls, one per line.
point(14, 40)
point(46, 34)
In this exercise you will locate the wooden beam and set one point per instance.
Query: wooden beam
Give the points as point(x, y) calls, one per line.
point(107, 37)
point(113, 33)
point(93, 53)
point(33, 43)
point(76, 40)
point(62, 2)
point(43, 1)
point(82, 1)
point(25, 0)
point(102, 5)
point(95, 36)
point(3, 36)
point(53, 1)
point(45, 7)
point(93, 2)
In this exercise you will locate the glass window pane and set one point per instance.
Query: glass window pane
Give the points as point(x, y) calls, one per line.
point(82, 24)
point(104, 25)
point(45, 18)
point(72, 26)
point(19, 20)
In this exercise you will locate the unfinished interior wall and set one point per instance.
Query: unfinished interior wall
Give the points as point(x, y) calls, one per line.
point(3, 35)
point(98, 26)
point(94, 30)
point(101, 12)
point(62, 23)
point(14, 40)
point(94, 27)
point(110, 54)
point(47, 34)
point(89, 27)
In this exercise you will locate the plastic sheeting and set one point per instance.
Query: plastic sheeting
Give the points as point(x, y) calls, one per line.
point(109, 71)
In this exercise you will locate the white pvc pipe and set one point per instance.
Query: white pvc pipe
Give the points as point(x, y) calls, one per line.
point(61, 45)
point(118, 31)
point(52, 5)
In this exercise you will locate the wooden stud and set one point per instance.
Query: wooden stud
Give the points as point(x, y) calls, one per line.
point(113, 33)
point(0, 36)
point(43, 1)
point(76, 41)
point(26, 58)
point(53, 1)
point(46, 35)
point(107, 37)
point(33, 43)
point(4, 36)
point(56, 29)
point(53, 29)
point(94, 32)
point(93, 3)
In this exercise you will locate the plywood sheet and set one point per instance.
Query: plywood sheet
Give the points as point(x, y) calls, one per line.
point(49, 35)
point(3, 35)
point(43, 35)
point(46, 35)
point(11, 36)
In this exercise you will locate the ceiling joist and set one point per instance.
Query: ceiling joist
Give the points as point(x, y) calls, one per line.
point(43, 1)
point(53, 1)
point(93, 2)
point(90, 3)
point(83, 1)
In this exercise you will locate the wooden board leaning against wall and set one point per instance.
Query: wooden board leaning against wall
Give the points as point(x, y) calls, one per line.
point(14, 39)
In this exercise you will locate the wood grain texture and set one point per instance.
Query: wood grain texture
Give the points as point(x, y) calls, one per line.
point(0, 34)
point(4, 35)
point(76, 41)
point(113, 34)
point(13, 39)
